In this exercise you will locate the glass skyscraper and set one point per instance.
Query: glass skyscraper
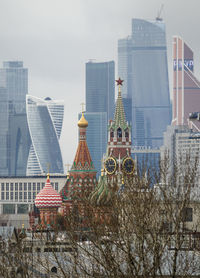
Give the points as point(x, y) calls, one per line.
point(45, 119)
point(100, 104)
point(100, 87)
point(15, 137)
point(142, 64)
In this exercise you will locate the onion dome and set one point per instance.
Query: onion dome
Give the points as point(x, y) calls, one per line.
point(48, 197)
point(83, 122)
point(102, 195)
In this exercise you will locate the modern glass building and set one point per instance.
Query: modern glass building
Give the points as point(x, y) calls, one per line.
point(100, 105)
point(100, 88)
point(186, 87)
point(96, 136)
point(45, 119)
point(142, 64)
point(3, 132)
point(13, 123)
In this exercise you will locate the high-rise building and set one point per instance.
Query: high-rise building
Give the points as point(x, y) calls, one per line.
point(14, 80)
point(100, 87)
point(45, 118)
point(142, 64)
point(186, 87)
point(100, 103)
point(3, 132)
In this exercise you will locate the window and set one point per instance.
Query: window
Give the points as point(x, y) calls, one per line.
point(20, 186)
point(22, 209)
point(16, 196)
point(11, 187)
point(16, 186)
point(20, 196)
point(7, 195)
point(119, 133)
point(29, 186)
point(7, 186)
point(34, 186)
point(34, 195)
point(43, 184)
point(11, 195)
point(25, 186)
point(2, 195)
point(187, 215)
point(25, 196)
point(2, 187)
point(38, 186)
point(29, 195)
point(56, 186)
point(8, 209)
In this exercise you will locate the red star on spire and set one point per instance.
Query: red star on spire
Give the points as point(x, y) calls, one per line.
point(119, 82)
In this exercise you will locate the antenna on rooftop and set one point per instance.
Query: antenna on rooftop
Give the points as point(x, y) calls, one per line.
point(158, 17)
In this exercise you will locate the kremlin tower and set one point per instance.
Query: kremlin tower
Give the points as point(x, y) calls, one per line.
point(81, 179)
point(118, 161)
point(48, 200)
point(119, 166)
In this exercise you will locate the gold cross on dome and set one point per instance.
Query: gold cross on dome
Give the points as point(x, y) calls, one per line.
point(82, 107)
point(68, 166)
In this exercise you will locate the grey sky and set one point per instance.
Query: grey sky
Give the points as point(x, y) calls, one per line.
point(55, 38)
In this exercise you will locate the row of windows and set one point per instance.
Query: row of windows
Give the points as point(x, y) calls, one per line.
point(18, 196)
point(10, 209)
point(24, 186)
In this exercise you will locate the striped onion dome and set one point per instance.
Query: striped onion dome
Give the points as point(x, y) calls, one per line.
point(48, 197)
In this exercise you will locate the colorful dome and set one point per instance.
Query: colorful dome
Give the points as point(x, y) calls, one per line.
point(101, 196)
point(48, 197)
point(83, 122)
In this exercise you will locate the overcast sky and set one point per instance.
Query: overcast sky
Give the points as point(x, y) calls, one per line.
point(55, 38)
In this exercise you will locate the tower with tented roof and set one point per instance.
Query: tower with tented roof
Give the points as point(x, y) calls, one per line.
point(81, 178)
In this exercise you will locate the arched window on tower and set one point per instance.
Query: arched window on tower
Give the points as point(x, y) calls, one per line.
point(111, 133)
point(119, 133)
point(127, 133)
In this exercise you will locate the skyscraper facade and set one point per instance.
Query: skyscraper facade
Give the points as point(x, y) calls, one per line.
point(45, 119)
point(100, 103)
point(14, 80)
point(100, 87)
point(186, 87)
point(142, 64)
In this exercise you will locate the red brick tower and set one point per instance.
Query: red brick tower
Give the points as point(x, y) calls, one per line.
point(82, 175)
point(118, 159)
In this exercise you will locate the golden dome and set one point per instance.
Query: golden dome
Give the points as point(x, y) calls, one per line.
point(82, 122)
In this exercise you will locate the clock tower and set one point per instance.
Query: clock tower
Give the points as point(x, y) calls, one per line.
point(118, 161)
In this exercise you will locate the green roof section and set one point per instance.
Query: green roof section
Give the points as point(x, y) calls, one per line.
point(120, 118)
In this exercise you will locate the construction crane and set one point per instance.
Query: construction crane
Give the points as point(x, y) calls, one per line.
point(158, 18)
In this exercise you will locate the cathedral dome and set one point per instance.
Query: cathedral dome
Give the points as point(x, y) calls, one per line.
point(48, 197)
point(82, 122)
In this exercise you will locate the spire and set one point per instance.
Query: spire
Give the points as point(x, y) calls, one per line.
point(82, 160)
point(119, 119)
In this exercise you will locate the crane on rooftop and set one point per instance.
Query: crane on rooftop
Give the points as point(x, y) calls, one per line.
point(159, 18)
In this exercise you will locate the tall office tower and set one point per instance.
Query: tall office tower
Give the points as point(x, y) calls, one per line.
point(3, 132)
point(100, 103)
point(186, 87)
point(14, 78)
point(45, 119)
point(100, 88)
point(142, 64)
